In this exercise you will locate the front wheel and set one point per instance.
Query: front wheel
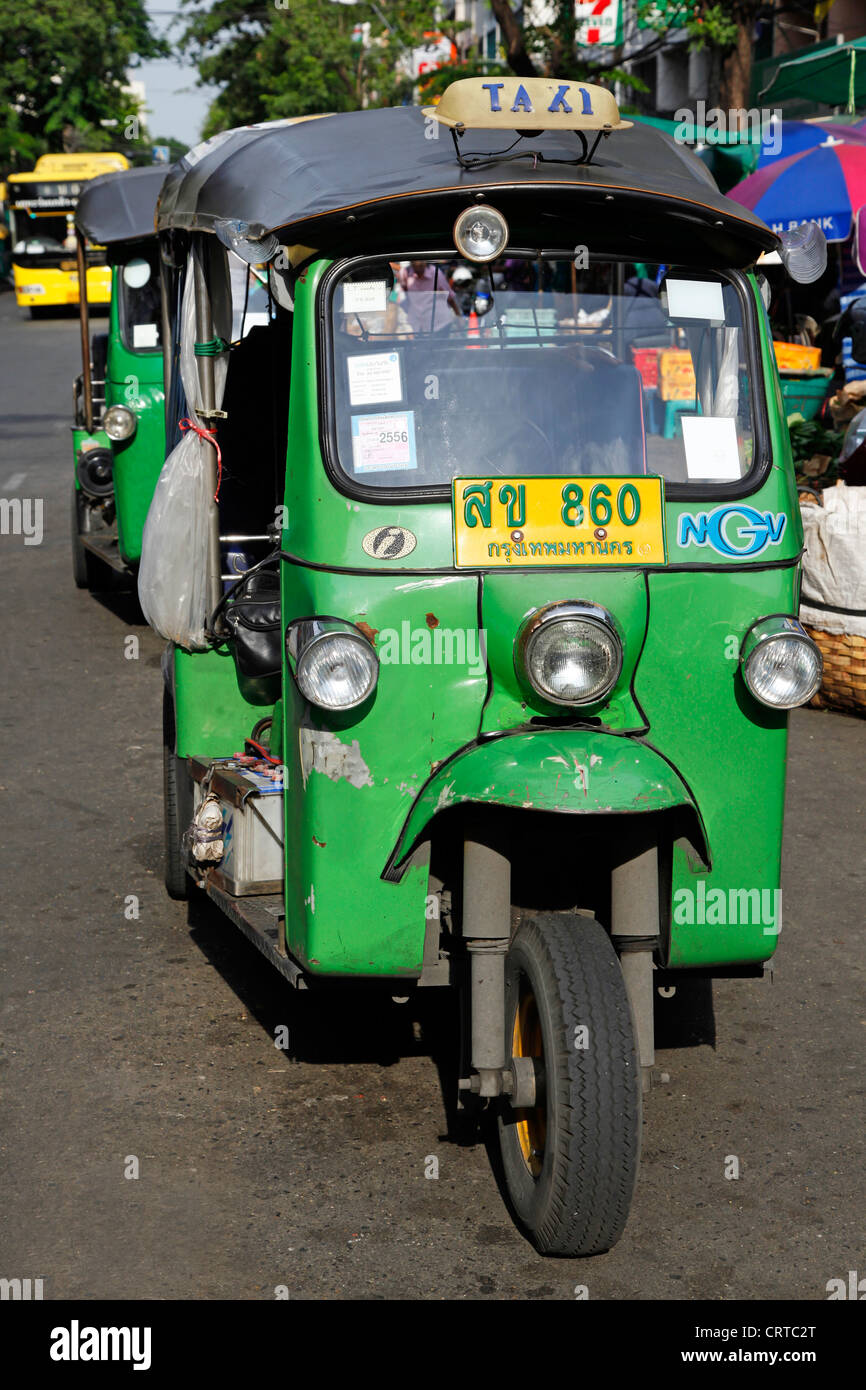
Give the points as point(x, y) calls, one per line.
point(570, 1162)
point(83, 562)
point(177, 807)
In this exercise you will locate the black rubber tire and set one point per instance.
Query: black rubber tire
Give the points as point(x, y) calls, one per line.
point(177, 807)
point(579, 1201)
point(82, 560)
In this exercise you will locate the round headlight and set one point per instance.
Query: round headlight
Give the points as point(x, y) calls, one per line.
point(781, 665)
point(337, 670)
point(570, 653)
point(480, 234)
point(118, 422)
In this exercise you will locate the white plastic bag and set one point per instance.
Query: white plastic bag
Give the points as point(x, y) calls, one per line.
point(173, 575)
point(834, 565)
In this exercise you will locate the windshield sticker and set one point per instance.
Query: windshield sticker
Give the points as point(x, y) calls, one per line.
point(374, 377)
point(144, 335)
point(384, 443)
point(695, 299)
point(736, 531)
point(711, 447)
point(365, 297)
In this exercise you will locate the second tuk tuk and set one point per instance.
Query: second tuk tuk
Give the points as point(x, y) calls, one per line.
point(118, 434)
point(500, 702)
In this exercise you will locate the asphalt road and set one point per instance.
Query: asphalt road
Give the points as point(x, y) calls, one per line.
point(141, 1037)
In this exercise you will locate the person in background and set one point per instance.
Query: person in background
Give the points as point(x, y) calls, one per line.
point(429, 302)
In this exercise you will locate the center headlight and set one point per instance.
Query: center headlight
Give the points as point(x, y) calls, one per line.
point(118, 422)
point(570, 653)
point(335, 666)
point(480, 234)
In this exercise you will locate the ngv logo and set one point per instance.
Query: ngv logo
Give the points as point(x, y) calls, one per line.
point(736, 530)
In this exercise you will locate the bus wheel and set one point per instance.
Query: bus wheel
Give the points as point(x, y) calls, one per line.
point(570, 1162)
point(177, 806)
point(82, 560)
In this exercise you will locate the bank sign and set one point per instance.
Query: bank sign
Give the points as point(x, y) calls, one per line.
point(598, 22)
point(835, 226)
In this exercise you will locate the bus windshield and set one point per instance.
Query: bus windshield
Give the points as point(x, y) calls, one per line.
point(41, 216)
point(444, 368)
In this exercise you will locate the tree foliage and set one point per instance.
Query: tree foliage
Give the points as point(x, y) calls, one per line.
point(64, 71)
point(727, 27)
point(273, 62)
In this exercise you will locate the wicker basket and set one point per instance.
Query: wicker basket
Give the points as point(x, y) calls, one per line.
point(844, 682)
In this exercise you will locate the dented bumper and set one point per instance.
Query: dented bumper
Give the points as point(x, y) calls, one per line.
point(575, 772)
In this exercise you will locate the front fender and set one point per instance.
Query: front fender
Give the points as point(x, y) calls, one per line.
point(573, 771)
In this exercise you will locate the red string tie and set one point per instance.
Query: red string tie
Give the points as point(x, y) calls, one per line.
point(209, 436)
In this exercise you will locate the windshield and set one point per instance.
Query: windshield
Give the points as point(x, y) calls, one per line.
point(140, 306)
point(444, 368)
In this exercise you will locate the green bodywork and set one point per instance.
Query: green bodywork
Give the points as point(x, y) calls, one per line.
point(134, 378)
point(679, 733)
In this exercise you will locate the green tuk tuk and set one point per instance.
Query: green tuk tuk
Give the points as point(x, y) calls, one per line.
point(118, 435)
point(500, 701)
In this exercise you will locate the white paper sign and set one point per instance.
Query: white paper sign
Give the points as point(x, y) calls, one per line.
point(384, 443)
point(695, 299)
point(374, 377)
point(365, 297)
point(144, 335)
point(711, 447)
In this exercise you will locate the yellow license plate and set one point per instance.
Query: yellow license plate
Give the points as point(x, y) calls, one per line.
point(520, 522)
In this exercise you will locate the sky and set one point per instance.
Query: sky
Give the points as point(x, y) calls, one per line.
point(176, 106)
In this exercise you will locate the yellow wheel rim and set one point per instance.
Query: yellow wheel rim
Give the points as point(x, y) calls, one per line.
point(527, 1041)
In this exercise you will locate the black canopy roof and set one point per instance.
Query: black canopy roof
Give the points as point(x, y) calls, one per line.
point(120, 206)
point(340, 178)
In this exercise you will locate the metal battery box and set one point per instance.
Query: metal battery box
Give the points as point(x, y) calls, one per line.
point(252, 809)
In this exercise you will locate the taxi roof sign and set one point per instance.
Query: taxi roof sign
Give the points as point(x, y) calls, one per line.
point(527, 104)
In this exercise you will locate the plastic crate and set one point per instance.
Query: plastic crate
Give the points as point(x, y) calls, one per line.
point(796, 357)
point(804, 395)
point(647, 362)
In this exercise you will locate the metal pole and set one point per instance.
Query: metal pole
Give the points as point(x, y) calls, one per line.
point(164, 273)
point(634, 933)
point(486, 930)
point(205, 408)
point(619, 341)
point(85, 333)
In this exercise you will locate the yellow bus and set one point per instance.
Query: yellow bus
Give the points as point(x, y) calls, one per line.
point(41, 212)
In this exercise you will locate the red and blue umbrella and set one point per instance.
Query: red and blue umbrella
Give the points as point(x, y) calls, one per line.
point(796, 136)
point(825, 184)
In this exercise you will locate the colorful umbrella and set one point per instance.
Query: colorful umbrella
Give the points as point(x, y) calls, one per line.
point(826, 184)
point(796, 136)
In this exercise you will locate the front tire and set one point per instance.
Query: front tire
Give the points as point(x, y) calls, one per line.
point(177, 807)
point(571, 1162)
point(82, 560)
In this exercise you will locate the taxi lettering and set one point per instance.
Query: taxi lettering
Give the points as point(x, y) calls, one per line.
point(522, 100)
